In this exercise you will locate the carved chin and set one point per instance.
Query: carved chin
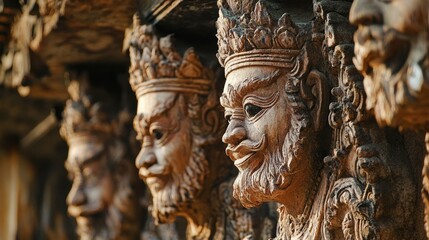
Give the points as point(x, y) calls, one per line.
point(380, 49)
point(110, 224)
point(92, 226)
point(155, 183)
point(180, 191)
point(261, 182)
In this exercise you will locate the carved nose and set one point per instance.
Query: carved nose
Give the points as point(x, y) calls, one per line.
point(145, 159)
point(365, 12)
point(235, 133)
point(76, 197)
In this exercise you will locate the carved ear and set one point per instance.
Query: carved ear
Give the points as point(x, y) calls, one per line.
point(314, 91)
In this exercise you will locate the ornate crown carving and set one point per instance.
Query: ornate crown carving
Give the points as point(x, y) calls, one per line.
point(247, 34)
point(156, 65)
point(85, 116)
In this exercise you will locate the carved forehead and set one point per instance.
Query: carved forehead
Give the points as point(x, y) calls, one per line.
point(84, 151)
point(152, 105)
point(241, 83)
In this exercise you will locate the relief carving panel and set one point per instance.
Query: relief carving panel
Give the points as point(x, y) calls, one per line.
point(179, 123)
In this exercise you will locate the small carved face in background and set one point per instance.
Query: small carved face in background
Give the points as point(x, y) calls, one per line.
point(264, 135)
point(390, 47)
point(92, 191)
point(386, 31)
point(169, 162)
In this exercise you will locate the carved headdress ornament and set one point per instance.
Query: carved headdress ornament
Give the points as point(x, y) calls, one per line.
point(248, 35)
point(85, 116)
point(156, 65)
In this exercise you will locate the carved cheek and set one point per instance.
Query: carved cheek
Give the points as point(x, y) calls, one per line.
point(101, 192)
point(257, 130)
point(175, 154)
point(275, 123)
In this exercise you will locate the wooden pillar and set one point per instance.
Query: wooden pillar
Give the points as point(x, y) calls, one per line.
point(9, 180)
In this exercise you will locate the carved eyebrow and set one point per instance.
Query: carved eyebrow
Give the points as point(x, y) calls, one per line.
point(137, 122)
point(91, 159)
point(224, 101)
point(145, 120)
point(85, 161)
point(234, 95)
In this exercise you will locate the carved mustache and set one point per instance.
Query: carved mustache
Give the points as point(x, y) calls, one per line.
point(156, 170)
point(85, 210)
point(245, 148)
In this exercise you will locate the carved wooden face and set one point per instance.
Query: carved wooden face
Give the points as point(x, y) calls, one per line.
point(262, 135)
point(92, 190)
point(386, 30)
point(169, 161)
point(390, 45)
point(166, 139)
point(385, 33)
point(253, 115)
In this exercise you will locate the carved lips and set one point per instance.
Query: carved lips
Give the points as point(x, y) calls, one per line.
point(242, 153)
point(380, 45)
point(86, 210)
point(154, 175)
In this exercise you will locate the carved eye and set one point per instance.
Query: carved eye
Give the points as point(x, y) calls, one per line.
point(157, 134)
point(251, 110)
point(92, 179)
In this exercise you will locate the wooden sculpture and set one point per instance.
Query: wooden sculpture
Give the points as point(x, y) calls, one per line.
point(179, 123)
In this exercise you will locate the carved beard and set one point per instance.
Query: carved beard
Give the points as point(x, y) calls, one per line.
point(258, 184)
point(119, 221)
point(107, 225)
point(181, 190)
point(98, 226)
